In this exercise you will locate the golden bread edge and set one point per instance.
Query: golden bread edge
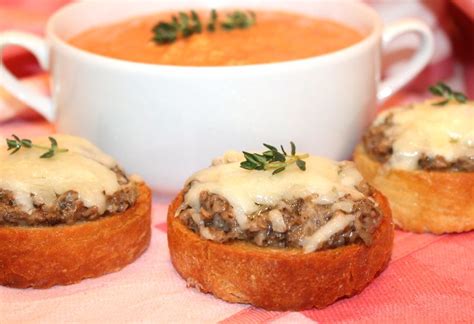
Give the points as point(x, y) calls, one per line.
point(41, 257)
point(423, 201)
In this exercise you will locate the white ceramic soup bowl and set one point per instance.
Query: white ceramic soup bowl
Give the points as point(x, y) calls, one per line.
point(164, 122)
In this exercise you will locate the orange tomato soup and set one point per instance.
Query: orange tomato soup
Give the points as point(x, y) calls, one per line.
point(275, 37)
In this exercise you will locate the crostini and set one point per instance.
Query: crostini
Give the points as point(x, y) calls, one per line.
point(421, 157)
point(278, 231)
point(67, 212)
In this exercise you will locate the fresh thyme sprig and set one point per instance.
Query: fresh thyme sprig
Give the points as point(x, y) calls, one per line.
point(185, 25)
point(442, 90)
point(16, 144)
point(272, 159)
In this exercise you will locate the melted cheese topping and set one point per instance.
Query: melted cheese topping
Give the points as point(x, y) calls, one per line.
point(447, 131)
point(248, 190)
point(335, 225)
point(84, 169)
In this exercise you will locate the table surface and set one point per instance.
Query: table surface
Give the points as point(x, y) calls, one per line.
point(430, 279)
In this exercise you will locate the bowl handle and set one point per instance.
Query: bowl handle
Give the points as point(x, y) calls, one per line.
point(36, 45)
point(419, 60)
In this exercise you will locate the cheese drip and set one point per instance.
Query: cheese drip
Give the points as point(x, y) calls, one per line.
point(248, 190)
point(447, 131)
point(84, 169)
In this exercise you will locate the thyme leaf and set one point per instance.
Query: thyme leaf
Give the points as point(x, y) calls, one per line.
point(211, 26)
point(165, 33)
point(301, 164)
point(442, 90)
point(15, 144)
point(239, 20)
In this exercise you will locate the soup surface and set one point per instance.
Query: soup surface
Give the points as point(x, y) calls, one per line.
point(275, 37)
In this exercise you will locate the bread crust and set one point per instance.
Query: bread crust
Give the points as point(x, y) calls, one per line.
point(277, 279)
point(41, 257)
point(423, 201)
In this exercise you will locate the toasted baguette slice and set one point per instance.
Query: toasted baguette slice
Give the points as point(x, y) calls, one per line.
point(277, 279)
point(423, 201)
point(41, 257)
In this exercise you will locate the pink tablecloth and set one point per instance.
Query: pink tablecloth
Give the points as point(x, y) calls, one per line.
point(430, 278)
